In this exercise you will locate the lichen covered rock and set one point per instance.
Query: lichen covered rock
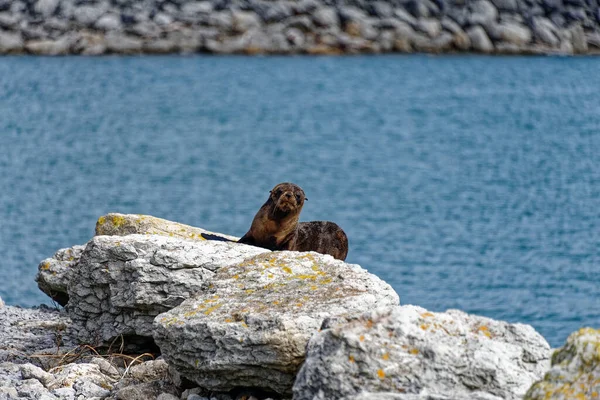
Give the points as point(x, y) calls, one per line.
point(123, 282)
point(410, 353)
point(54, 273)
point(575, 372)
point(250, 328)
point(115, 224)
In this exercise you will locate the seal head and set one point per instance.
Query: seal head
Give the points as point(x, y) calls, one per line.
point(275, 225)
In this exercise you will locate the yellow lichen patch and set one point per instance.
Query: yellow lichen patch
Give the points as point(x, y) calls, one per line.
point(270, 276)
point(426, 315)
point(249, 291)
point(484, 329)
point(298, 304)
point(369, 324)
point(313, 287)
point(171, 234)
point(118, 244)
point(413, 351)
point(380, 373)
point(228, 320)
point(361, 338)
point(424, 326)
point(101, 221)
point(325, 281)
point(351, 358)
point(385, 356)
point(211, 309)
point(244, 325)
point(71, 258)
point(117, 220)
point(275, 302)
point(45, 266)
point(287, 269)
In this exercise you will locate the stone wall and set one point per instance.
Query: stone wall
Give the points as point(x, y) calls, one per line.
point(91, 27)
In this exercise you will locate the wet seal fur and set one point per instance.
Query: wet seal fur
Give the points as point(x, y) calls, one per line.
point(276, 226)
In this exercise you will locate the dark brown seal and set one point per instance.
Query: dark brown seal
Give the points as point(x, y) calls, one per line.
point(276, 226)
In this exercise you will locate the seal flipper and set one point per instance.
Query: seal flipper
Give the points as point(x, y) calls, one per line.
point(247, 239)
point(209, 236)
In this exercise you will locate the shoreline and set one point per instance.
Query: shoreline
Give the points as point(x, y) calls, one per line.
point(307, 27)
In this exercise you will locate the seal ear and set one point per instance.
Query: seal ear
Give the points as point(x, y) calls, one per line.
point(305, 199)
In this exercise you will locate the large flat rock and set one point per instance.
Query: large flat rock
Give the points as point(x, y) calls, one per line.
point(123, 282)
point(410, 353)
point(251, 327)
point(115, 224)
point(54, 273)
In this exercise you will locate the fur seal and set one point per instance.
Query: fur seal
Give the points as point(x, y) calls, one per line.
point(276, 226)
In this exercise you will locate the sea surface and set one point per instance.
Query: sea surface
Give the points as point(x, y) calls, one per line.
point(465, 182)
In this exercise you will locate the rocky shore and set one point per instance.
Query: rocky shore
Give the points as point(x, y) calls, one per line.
point(154, 311)
point(94, 27)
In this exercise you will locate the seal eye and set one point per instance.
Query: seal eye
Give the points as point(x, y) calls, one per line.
point(298, 198)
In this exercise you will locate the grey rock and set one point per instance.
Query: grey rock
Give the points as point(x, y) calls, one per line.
point(46, 8)
point(163, 19)
point(326, 17)
point(404, 31)
point(301, 22)
point(404, 16)
point(479, 40)
point(506, 5)
point(9, 20)
point(30, 371)
point(295, 37)
point(197, 7)
point(251, 327)
point(167, 396)
point(122, 44)
point(147, 29)
point(145, 391)
point(277, 11)
point(85, 378)
point(90, 44)
point(123, 282)
point(26, 332)
point(578, 39)
point(220, 19)
point(387, 41)
point(109, 22)
point(87, 15)
point(513, 33)
point(87, 389)
point(243, 21)
point(431, 27)
point(61, 46)
point(33, 389)
point(148, 371)
point(65, 393)
point(483, 13)
point(545, 31)
point(10, 42)
point(160, 46)
point(352, 14)
point(106, 368)
point(462, 41)
point(396, 351)
point(381, 9)
point(417, 8)
point(593, 40)
point(450, 26)
point(575, 372)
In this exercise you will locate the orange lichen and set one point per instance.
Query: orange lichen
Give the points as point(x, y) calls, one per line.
point(351, 358)
point(385, 356)
point(380, 373)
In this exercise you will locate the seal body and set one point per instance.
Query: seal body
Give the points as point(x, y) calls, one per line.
point(276, 226)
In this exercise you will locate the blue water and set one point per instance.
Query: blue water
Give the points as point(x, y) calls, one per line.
point(464, 182)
